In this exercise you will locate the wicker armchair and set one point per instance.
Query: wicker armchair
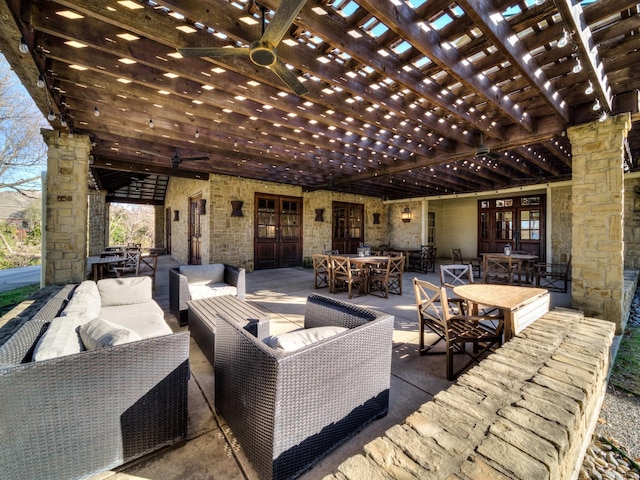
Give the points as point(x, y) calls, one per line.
point(289, 409)
point(180, 294)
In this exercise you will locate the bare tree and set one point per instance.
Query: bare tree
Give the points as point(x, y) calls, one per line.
point(23, 152)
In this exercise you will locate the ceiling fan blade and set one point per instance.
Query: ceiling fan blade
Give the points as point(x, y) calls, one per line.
point(212, 51)
point(281, 21)
point(288, 77)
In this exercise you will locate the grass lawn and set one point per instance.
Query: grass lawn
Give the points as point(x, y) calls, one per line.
point(11, 298)
point(625, 374)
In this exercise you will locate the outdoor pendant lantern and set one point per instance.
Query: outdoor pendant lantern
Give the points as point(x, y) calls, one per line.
point(406, 215)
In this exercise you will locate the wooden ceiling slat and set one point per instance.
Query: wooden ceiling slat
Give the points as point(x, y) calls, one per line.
point(371, 124)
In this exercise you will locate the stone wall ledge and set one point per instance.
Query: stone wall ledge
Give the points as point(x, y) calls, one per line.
point(525, 412)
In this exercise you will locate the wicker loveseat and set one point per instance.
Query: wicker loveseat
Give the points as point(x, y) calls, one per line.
point(288, 409)
point(75, 415)
point(193, 282)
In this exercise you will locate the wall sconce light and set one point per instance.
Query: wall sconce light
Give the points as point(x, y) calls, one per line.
point(319, 214)
point(376, 219)
point(40, 83)
point(236, 208)
point(406, 215)
point(202, 210)
point(176, 215)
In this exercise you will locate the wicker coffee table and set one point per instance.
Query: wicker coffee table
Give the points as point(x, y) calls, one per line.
point(202, 313)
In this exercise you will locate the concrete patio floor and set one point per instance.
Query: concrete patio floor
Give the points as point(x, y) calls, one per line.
point(211, 451)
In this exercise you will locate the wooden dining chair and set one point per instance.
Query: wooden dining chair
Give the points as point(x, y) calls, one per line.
point(128, 265)
point(345, 276)
point(458, 259)
point(453, 275)
point(553, 276)
point(499, 269)
point(321, 270)
point(456, 331)
point(383, 281)
point(146, 266)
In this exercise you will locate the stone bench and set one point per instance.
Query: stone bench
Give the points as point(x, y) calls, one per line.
point(527, 411)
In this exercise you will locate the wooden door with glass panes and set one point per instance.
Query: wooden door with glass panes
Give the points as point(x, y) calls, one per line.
point(348, 227)
point(514, 221)
point(278, 231)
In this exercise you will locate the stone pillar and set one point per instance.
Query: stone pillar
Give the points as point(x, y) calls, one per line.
point(66, 219)
point(158, 231)
point(98, 221)
point(597, 285)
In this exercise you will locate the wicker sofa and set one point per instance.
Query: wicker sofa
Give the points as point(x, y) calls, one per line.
point(288, 409)
point(75, 415)
point(193, 282)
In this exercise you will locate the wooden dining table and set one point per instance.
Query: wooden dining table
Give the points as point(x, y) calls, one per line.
point(368, 262)
point(100, 265)
point(521, 306)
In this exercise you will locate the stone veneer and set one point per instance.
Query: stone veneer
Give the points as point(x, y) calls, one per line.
point(230, 239)
point(527, 411)
point(65, 250)
point(98, 222)
point(598, 218)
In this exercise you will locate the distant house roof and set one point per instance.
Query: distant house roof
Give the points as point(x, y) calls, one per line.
point(13, 203)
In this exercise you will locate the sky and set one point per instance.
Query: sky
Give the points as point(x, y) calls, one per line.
point(16, 90)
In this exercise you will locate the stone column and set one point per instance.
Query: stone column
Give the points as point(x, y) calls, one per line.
point(66, 219)
point(158, 231)
point(597, 284)
point(98, 221)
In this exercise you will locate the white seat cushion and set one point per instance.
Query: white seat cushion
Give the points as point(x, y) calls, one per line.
point(125, 291)
point(202, 274)
point(211, 290)
point(290, 341)
point(146, 319)
point(85, 302)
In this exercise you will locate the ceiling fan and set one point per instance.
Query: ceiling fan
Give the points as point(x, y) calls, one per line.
point(263, 52)
point(176, 160)
point(483, 151)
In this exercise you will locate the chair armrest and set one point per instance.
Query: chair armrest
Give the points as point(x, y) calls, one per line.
point(325, 311)
point(237, 277)
point(178, 292)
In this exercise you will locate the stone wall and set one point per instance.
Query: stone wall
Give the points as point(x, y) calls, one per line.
point(560, 222)
point(230, 239)
point(598, 217)
point(632, 223)
point(158, 228)
point(527, 411)
point(66, 223)
point(405, 235)
point(98, 222)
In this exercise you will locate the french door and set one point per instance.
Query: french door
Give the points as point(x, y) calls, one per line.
point(278, 231)
point(515, 221)
point(348, 227)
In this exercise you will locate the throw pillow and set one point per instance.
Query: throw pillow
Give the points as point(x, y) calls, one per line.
point(100, 333)
point(291, 341)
